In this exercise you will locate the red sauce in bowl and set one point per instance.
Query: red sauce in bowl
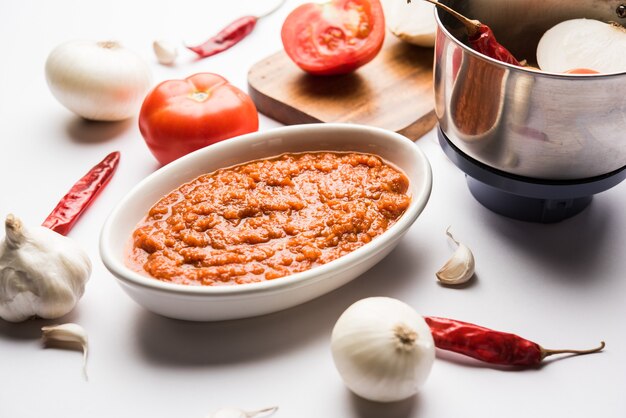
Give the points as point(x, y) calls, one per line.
point(268, 218)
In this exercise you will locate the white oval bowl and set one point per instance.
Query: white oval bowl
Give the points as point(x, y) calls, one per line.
point(212, 303)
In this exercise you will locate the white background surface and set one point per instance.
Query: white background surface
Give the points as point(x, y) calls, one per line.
point(560, 285)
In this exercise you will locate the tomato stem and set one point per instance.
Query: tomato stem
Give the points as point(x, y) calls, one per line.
point(199, 96)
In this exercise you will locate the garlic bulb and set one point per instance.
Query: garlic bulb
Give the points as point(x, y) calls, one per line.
point(165, 52)
point(383, 349)
point(460, 267)
point(240, 413)
point(67, 336)
point(42, 273)
point(98, 80)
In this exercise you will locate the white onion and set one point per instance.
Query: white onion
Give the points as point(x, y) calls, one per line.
point(582, 43)
point(98, 80)
point(412, 22)
point(383, 349)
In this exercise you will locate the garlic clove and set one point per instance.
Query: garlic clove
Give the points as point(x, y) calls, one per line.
point(239, 413)
point(165, 52)
point(71, 336)
point(460, 267)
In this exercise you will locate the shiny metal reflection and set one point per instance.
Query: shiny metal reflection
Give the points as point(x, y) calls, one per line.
point(518, 120)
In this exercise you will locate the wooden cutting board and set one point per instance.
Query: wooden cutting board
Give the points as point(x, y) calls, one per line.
point(394, 91)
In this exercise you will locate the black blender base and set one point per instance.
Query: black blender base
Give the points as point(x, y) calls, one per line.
point(525, 208)
point(524, 198)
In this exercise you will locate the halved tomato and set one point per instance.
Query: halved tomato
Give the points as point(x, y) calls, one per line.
point(335, 37)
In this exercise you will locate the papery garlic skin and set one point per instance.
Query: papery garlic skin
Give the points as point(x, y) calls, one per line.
point(460, 267)
point(42, 273)
point(383, 349)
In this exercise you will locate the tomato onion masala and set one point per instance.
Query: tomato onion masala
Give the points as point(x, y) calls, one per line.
point(268, 218)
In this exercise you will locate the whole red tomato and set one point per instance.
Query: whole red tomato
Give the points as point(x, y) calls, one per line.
point(181, 116)
point(335, 37)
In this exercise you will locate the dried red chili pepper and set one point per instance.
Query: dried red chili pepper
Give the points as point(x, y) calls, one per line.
point(480, 36)
point(491, 346)
point(484, 41)
point(81, 195)
point(230, 35)
point(226, 38)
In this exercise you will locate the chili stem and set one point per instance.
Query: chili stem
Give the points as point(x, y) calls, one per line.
point(470, 25)
point(272, 10)
point(270, 411)
point(547, 352)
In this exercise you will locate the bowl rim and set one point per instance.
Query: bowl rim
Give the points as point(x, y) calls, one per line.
point(304, 278)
